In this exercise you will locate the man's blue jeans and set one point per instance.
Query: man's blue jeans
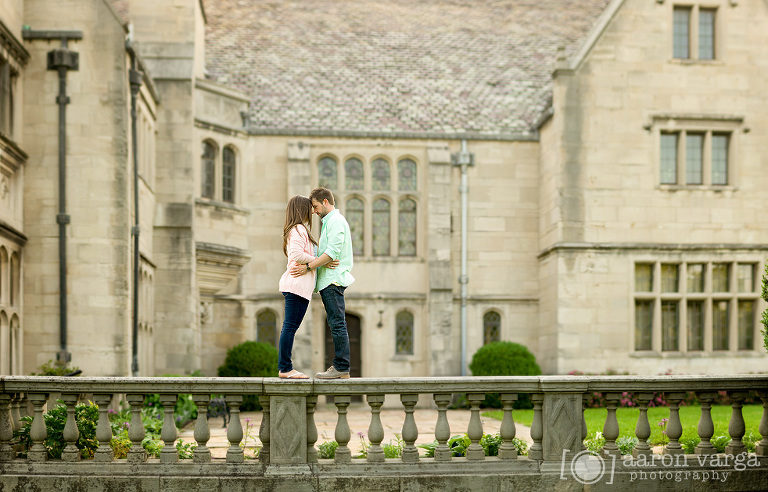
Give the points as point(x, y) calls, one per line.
point(295, 309)
point(333, 300)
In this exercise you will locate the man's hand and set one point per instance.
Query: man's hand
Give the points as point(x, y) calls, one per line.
point(299, 270)
point(332, 264)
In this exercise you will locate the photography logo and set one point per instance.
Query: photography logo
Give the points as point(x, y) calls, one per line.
point(585, 468)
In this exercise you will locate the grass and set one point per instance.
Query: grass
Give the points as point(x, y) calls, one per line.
point(627, 418)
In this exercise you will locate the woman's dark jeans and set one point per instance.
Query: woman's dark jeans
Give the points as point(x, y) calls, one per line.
point(295, 308)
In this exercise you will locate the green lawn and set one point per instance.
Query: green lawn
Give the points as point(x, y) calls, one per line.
point(627, 417)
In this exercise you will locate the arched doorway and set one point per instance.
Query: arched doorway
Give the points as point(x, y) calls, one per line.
point(353, 328)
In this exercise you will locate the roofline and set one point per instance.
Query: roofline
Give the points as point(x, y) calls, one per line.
point(595, 34)
point(504, 137)
point(124, 23)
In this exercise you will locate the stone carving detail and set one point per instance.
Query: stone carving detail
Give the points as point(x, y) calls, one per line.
point(288, 416)
point(206, 312)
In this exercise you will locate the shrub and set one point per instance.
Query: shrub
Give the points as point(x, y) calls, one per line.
point(765, 313)
point(53, 369)
point(250, 360)
point(86, 418)
point(490, 443)
point(327, 449)
point(504, 359)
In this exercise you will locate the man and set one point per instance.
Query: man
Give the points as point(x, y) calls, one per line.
point(335, 244)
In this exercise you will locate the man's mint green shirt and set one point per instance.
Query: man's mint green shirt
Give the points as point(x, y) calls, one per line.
point(336, 242)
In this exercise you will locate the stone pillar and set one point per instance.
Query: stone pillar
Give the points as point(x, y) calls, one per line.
point(475, 430)
point(410, 431)
point(375, 429)
point(71, 433)
point(288, 430)
point(311, 429)
point(674, 427)
point(168, 433)
point(445, 351)
point(202, 434)
point(136, 454)
point(507, 450)
point(537, 428)
point(643, 428)
point(235, 454)
point(736, 426)
point(342, 433)
point(442, 427)
point(38, 432)
point(562, 419)
point(706, 428)
point(611, 427)
point(264, 430)
point(104, 452)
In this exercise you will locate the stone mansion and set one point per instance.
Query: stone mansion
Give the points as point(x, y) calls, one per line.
point(584, 177)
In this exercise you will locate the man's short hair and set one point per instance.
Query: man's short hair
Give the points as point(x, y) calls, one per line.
point(320, 194)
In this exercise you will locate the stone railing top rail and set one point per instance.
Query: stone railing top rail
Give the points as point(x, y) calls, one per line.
point(357, 386)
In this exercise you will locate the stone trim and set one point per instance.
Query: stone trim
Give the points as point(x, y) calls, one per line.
point(9, 232)
point(500, 137)
point(12, 45)
point(563, 246)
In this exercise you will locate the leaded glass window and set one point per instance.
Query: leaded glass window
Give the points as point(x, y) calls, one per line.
point(356, 219)
point(720, 274)
point(719, 159)
point(681, 32)
point(228, 175)
point(669, 278)
point(354, 174)
point(694, 158)
point(643, 325)
point(720, 313)
point(669, 325)
point(406, 169)
point(643, 277)
point(407, 228)
point(380, 175)
point(706, 34)
point(695, 325)
point(746, 277)
point(404, 333)
point(326, 170)
point(668, 158)
point(746, 325)
point(491, 327)
point(266, 327)
point(381, 227)
point(208, 167)
point(695, 277)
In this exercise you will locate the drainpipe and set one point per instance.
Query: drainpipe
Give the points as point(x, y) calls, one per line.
point(135, 78)
point(463, 159)
point(61, 60)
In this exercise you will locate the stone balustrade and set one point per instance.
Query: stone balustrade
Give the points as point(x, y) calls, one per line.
point(289, 435)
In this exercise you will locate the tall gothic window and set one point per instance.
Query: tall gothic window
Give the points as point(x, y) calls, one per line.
point(406, 169)
point(228, 175)
point(327, 173)
point(353, 169)
point(407, 230)
point(381, 227)
point(208, 165)
point(380, 175)
point(355, 214)
point(7, 81)
point(491, 327)
point(266, 327)
point(404, 333)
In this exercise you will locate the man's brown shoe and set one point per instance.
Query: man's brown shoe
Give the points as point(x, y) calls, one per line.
point(332, 373)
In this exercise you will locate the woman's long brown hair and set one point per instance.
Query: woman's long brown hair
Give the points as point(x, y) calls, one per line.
point(299, 211)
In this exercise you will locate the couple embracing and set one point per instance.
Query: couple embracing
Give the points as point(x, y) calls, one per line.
point(314, 266)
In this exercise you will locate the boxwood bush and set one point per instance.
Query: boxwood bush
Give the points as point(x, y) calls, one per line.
point(250, 360)
point(504, 359)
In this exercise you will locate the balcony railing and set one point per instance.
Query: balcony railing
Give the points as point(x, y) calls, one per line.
point(289, 435)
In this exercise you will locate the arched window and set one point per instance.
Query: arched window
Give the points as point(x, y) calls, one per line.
point(266, 327)
point(353, 169)
point(380, 175)
point(491, 327)
point(326, 170)
point(406, 169)
point(228, 167)
point(3, 274)
point(355, 214)
point(5, 344)
point(406, 218)
point(15, 280)
point(208, 167)
point(15, 346)
point(404, 333)
point(381, 227)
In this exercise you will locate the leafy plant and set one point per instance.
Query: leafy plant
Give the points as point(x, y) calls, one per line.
point(86, 418)
point(626, 444)
point(250, 359)
point(327, 449)
point(394, 449)
point(247, 436)
point(504, 359)
point(52, 368)
point(720, 442)
point(185, 449)
point(765, 313)
point(490, 443)
point(594, 443)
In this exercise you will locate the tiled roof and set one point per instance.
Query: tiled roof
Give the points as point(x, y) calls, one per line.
point(478, 67)
point(122, 8)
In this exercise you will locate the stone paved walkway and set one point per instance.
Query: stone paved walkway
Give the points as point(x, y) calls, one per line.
point(359, 417)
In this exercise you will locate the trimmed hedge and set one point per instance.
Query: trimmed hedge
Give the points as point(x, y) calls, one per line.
point(504, 359)
point(250, 360)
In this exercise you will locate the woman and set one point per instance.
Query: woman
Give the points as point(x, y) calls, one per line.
point(299, 247)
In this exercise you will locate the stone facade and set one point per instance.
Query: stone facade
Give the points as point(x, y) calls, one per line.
point(565, 204)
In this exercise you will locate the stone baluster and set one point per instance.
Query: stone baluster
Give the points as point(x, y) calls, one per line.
point(643, 428)
point(507, 450)
point(104, 452)
point(202, 434)
point(342, 434)
point(611, 426)
point(442, 427)
point(71, 434)
point(537, 428)
point(38, 432)
point(475, 429)
point(136, 454)
point(169, 453)
point(410, 431)
point(264, 430)
point(736, 426)
point(706, 428)
point(6, 427)
point(761, 448)
point(674, 427)
point(311, 429)
point(235, 454)
point(375, 429)
point(15, 413)
point(584, 430)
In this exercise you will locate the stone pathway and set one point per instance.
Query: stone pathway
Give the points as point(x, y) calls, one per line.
point(358, 417)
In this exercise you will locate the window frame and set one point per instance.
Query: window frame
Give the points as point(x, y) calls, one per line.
point(695, 9)
point(218, 178)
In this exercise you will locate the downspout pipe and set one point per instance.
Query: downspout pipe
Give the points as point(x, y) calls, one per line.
point(135, 78)
point(61, 60)
point(463, 159)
